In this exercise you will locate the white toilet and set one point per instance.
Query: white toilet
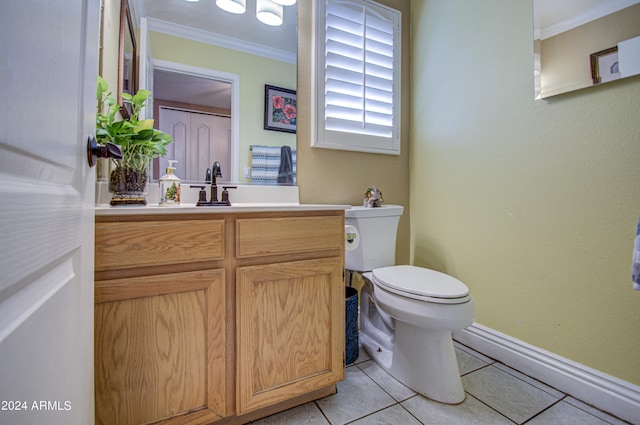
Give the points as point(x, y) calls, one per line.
point(407, 313)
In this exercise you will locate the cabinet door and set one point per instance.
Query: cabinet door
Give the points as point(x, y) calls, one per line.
point(159, 348)
point(290, 330)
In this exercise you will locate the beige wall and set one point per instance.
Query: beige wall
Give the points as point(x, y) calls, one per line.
point(341, 177)
point(533, 204)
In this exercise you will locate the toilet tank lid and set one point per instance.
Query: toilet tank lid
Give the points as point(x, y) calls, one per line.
point(383, 211)
point(420, 281)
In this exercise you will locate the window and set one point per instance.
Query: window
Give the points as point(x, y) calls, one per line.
point(358, 77)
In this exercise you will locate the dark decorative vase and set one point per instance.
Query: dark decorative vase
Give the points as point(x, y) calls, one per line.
point(128, 185)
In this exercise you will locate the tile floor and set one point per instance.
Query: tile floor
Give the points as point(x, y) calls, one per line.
point(496, 394)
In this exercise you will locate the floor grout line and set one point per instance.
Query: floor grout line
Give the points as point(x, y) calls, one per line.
point(322, 411)
point(409, 412)
point(379, 385)
point(543, 410)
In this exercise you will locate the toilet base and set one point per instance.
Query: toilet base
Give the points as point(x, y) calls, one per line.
point(437, 377)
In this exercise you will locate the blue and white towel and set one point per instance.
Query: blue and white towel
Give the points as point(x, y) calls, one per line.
point(635, 269)
point(265, 164)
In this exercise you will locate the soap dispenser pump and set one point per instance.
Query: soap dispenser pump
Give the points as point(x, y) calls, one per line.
point(170, 186)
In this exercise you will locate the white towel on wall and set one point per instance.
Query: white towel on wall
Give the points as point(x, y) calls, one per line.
point(635, 269)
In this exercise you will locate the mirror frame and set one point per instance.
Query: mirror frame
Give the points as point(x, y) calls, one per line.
point(126, 32)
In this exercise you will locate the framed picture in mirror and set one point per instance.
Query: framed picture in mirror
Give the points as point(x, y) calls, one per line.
point(280, 111)
point(127, 58)
point(604, 65)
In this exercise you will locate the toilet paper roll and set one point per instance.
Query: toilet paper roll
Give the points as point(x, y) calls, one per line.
point(351, 238)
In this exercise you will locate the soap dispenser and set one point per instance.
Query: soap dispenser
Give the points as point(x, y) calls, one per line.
point(170, 186)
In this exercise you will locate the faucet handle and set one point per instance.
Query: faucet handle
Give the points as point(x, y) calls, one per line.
point(225, 193)
point(202, 195)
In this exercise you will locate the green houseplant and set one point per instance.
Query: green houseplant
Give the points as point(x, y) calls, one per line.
point(139, 141)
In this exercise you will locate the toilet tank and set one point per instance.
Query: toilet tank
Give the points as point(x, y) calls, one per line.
point(370, 237)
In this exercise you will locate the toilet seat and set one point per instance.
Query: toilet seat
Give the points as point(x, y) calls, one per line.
point(421, 284)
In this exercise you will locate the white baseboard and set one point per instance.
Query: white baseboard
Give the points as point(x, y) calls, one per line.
point(598, 389)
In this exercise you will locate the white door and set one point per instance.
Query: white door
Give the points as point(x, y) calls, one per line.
point(48, 68)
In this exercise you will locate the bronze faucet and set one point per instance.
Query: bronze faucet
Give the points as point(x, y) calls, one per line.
point(215, 171)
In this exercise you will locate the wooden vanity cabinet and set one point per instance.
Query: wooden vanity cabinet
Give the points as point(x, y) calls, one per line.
point(216, 318)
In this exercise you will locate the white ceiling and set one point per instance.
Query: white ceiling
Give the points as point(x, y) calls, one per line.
point(204, 15)
point(552, 17)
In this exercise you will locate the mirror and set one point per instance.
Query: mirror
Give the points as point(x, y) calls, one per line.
point(185, 36)
point(581, 43)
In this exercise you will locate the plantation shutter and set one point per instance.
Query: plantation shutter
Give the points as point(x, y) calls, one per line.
point(359, 86)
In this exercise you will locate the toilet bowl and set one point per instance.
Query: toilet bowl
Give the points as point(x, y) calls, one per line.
point(407, 313)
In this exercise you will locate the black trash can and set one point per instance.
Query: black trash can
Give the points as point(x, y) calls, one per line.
point(351, 326)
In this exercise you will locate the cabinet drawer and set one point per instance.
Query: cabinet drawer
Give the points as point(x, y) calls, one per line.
point(152, 243)
point(257, 237)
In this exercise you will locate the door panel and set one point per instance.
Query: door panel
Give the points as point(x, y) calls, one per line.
point(47, 80)
point(213, 141)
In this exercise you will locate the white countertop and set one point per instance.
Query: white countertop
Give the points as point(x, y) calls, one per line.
point(106, 210)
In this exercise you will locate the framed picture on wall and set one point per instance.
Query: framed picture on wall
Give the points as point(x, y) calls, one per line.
point(280, 111)
point(604, 65)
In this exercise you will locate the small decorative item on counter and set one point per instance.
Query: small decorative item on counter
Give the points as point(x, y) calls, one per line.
point(170, 186)
point(373, 197)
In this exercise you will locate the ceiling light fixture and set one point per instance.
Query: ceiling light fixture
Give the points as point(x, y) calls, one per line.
point(285, 2)
point(232, 6)
point(269, 12)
